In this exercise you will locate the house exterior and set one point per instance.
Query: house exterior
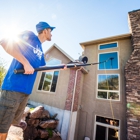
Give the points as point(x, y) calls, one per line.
point(59, 91)
point(102, 115)
point(91, 102)
point(132, 76)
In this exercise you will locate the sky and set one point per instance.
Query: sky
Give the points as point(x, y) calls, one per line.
point(76, 21)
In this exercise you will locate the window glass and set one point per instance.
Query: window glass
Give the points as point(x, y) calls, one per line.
point(106, 128)
point(48, 80)
point(102, 94)
point(108, 46)
point(54, 81)
point(109, 121)
point(113, 95)
point(108, 86)
point(53, 61)
point(108, 82)
point(41, 81)
point(100, 132)
point(112, 62)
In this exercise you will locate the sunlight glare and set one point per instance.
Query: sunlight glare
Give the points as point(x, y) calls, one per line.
point(11, 32)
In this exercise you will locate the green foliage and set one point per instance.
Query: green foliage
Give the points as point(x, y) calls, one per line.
point(102, 94)
point(31, 109)
point(134, 108)
point(2, 70)
point(109, 83)
point(50, 131)
point(48, 76)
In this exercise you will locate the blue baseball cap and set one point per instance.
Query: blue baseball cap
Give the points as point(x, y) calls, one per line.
point(43, 25)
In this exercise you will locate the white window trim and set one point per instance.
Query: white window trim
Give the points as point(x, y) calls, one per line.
point(105, 125)
point(108, 90)
point(109, 60)
point(107, 43)
point(50, 58)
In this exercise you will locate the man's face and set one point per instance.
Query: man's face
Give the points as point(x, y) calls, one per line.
point(48, 35)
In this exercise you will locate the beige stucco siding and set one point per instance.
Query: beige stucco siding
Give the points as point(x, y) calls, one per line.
point(57, 98)
point(92, 106)
point(55, 53)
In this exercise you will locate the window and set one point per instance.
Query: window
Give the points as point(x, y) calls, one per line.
point(107, 46)
point(48, 80)
point(108, 86)
point(106, 129)
point(53, 61)
point(112, 62)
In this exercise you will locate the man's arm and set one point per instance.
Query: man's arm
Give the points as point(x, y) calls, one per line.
point(13, 49)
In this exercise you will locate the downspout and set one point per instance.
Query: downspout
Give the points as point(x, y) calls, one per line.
point(74, 90)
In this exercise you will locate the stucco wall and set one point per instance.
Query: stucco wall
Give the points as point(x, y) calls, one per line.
point(92, 106)
point(57, 98)
point(69, 87)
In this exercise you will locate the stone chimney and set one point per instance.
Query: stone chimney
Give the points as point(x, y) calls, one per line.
point(132, 76)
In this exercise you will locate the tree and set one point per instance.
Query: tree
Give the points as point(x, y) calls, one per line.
point(2, 70)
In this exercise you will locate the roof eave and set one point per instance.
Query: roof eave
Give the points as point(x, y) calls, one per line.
point(54, 45)
point(122, 36)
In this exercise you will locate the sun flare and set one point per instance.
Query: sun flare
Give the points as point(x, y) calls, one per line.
point(11, 32)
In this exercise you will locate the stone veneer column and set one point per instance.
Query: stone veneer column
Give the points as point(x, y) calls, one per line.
point(132, 75)
point(68, 103)
point(70, 117)
point(73, 94)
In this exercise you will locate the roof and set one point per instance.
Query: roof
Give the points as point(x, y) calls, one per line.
point(83, 69)
point(56, 46)
point(122, 36)
point(134, 11)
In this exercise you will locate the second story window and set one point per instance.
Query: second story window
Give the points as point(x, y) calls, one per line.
point(108, 46)
point(108, 86)
point(112, 62)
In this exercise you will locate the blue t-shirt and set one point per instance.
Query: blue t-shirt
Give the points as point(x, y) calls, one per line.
point(30, 47)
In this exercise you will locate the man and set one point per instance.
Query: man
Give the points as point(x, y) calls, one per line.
point(16, 88)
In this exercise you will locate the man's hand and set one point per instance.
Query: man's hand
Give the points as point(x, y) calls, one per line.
point(28, 69)
point(65, 67)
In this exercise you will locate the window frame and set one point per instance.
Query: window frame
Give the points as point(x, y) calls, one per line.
point(109, 60)
point(43, 91)
point(107, 43)
point(49, 58)
point(106, 125)
point(118, 91)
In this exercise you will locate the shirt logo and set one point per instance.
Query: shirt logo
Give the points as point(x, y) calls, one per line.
point(38, 52)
